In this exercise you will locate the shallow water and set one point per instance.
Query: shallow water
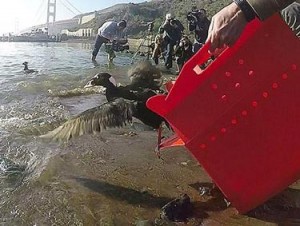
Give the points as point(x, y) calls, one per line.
point(32, 104)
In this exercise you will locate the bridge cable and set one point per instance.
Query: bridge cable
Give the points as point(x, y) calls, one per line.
point(70, 10)
point(43, 13)
point(73, 6)
point(38, 13)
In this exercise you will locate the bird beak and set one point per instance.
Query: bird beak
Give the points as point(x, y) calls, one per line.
point(89, 84)
point(113, 81)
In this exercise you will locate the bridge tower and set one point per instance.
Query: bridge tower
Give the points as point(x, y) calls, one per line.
point(51, 13)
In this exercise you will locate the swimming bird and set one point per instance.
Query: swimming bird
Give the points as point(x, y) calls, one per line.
point(123, 104)
point(26, 70)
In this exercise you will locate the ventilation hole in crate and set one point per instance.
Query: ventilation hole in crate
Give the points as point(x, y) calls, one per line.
point(202, 146)
point(234, 121)
point(275, 85)
point(265, 94)
point(224, 97)
point(284, 76)
point(254, 104)
point(214, 86)
point(244, 113)
point(223, 130)
point(213, 138)
point(227, 74)
point(237, 85)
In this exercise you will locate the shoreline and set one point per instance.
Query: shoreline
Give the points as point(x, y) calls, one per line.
point(133, 43)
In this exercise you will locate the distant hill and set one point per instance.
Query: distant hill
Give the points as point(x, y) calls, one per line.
point(137, 15)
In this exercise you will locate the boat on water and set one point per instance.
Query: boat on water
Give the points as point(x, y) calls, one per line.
point(38, 35)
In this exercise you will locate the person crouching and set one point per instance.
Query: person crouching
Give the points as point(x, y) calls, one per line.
point(183, 52)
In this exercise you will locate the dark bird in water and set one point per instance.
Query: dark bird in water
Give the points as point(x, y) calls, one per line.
point(142, 76)
point(129, 92)
point(26, 69)
point(124, 102)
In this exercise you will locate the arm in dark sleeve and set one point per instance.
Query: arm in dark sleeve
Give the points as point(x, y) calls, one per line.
point(266, 8)
point(191, 26)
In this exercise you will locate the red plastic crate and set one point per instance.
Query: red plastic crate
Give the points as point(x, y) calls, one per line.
point(240, 116)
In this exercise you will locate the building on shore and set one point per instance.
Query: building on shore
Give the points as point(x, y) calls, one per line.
point(81, 32)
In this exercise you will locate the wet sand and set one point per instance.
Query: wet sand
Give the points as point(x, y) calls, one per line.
point(115, 178)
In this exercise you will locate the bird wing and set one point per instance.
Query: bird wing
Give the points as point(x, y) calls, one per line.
point(145, 94)
point(108, 115)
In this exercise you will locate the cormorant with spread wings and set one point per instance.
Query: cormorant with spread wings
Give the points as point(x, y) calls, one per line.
point(124, 102)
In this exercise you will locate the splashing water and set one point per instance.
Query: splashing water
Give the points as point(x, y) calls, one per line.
point(32, 104)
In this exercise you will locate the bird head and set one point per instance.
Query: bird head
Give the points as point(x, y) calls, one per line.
point(101, 79)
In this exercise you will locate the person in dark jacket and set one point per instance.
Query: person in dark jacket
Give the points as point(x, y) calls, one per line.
point(199, 23)
point(172, 34)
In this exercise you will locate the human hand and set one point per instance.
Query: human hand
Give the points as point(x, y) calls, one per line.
point(166, 22)
point(226, 27)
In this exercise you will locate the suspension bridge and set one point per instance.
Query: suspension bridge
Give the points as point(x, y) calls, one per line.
point(47, 11)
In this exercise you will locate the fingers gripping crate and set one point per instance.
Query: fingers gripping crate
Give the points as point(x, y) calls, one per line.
point(240, 116)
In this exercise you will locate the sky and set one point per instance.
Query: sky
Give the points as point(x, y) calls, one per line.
point(16, 15)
